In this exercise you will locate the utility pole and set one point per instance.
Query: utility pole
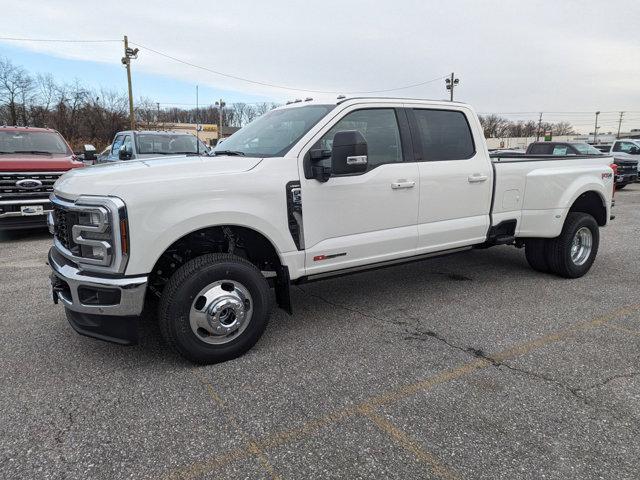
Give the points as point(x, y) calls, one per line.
point(620, 124)
point(539, 127)
point(158, 114)
point(197, 123)
point(220, 104)
point(129, 53)
point(451, 83)
point(595, 130)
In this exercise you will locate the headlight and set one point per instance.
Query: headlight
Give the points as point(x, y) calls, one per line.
point(92, 232)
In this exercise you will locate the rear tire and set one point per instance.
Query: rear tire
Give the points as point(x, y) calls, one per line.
point(571, 254)
point(621, 186)
point(535, 250)
point(225, 294)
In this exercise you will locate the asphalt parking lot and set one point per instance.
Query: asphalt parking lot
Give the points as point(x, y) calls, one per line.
point(468, 366)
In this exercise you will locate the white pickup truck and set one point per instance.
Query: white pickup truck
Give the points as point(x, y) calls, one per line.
point(307, 191)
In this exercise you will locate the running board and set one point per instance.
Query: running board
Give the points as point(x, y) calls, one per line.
point(378, 265)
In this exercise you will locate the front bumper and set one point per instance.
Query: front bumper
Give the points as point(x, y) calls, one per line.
point(82, 293)
point(12, 216)
point(626, 178)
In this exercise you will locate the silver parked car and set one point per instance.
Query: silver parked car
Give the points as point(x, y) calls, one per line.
point(137, 144)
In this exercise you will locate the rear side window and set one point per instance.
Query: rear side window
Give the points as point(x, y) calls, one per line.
point(444, 134)
point(540, 149)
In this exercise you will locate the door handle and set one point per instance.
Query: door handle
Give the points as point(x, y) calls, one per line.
point(402, 184)
point(477, 178)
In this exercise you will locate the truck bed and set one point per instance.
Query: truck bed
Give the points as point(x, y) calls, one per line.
point(538, 190)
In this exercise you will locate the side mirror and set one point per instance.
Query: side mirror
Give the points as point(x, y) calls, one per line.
point(89, 152)
point(124, 153)
point(349, 153)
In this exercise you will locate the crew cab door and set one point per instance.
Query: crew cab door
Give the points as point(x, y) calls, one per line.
point(456, 178)
point(367, 217)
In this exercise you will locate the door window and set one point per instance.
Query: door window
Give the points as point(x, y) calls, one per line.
point(378, 126)
point(444, 134)
point(128, 143)
point(117, 143)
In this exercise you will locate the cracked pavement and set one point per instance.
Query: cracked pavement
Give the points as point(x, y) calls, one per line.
point(448, 368)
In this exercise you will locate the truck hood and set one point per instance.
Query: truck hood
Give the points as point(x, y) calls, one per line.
point(37, 163)
point(116, 178)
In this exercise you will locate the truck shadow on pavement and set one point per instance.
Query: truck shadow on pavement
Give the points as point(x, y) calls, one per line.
point(454, 274)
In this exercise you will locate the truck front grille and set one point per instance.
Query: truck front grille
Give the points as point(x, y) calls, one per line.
point(27, 186)
point(63, 222)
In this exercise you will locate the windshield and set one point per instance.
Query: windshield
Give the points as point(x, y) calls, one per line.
point(586, 149)
point(275, 132)
point(166, 144)
point(33, 142)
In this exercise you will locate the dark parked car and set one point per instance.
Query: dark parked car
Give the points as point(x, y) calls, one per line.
point(627, 168)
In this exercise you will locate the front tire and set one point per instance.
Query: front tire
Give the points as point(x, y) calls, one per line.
point(214, 308)
point(572, 253)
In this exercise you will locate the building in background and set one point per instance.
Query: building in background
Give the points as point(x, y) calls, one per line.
point(208, 132)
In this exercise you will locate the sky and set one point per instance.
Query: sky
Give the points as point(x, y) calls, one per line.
point(565, 58)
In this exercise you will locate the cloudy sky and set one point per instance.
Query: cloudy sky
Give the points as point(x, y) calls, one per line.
point(568, 58)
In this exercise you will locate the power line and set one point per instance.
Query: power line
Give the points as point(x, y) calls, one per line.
point(273, 85)
point(57, 40)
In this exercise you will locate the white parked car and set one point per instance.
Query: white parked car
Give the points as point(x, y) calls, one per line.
point(306, 191)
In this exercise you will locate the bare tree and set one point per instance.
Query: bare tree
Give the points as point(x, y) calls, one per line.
point(16, 86)
point(563, 128)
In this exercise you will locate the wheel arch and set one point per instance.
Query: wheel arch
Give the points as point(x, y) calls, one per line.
point(593, 203)
point(245, 241)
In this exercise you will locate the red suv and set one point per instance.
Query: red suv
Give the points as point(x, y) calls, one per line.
point(31, 160)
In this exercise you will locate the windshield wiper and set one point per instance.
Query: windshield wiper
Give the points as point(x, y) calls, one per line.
point(187, 153)
point(34, 152)
point(237, 153)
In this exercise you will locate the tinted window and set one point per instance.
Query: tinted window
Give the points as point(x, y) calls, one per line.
point(540, 149)
point(378, 126)
point(445, 135)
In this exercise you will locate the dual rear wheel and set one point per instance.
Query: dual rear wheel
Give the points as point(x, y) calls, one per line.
point(572, 253)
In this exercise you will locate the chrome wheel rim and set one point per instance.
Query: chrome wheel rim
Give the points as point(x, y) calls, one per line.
point(221, 312)
point(581, 246)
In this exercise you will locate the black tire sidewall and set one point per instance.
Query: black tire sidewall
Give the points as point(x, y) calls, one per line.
point(183, 295)
point(564, 264)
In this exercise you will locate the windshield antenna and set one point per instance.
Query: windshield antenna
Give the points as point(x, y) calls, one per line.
point(197, 124)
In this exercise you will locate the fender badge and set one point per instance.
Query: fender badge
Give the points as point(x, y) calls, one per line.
point(318, 258)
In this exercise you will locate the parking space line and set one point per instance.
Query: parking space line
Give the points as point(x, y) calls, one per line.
point(251, 448)
point(439, 468)
point(279, 438)
point(623, 329)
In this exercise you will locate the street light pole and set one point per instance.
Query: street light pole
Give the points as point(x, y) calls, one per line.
point(620, 124)
point(126, 61)
point(539, 127)
point(595, 130)
point(451, 83)
point(220, 104)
